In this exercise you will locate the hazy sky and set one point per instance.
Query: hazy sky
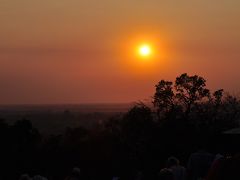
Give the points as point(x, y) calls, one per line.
point(83, 51)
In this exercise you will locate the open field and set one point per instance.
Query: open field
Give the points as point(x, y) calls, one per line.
point(54, 119)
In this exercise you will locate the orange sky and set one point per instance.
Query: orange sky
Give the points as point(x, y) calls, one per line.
point(72, 51)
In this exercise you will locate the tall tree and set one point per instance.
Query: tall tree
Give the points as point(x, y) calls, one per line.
point(163, 99)
point(190, 90)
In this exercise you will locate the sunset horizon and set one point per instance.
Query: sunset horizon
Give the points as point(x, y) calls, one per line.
point(91, 52)
point(120, 89)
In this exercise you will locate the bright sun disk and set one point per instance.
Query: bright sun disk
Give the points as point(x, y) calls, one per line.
point(145, 50)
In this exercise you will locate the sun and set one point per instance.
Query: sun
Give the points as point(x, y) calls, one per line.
point(145, 50)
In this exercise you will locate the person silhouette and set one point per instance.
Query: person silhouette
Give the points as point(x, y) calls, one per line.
point(179, 172)
point(75, 175)
point(25, 177)
point(199, 164)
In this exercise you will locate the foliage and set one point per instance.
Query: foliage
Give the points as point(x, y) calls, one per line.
point(189, 103)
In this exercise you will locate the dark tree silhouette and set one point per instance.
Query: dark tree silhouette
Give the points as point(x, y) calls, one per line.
point(188, 104)
point(189, 90)
point(218, 95)
point(163, 99)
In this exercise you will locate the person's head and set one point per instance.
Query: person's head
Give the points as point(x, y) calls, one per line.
point(25, 177)
point(76, 172)
point(172, 161)
point(115, 178)
point(38, 177)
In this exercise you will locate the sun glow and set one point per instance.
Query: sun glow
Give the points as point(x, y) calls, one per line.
point(145, 50)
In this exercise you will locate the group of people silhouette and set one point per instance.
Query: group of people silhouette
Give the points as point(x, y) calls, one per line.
point(201, 165)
